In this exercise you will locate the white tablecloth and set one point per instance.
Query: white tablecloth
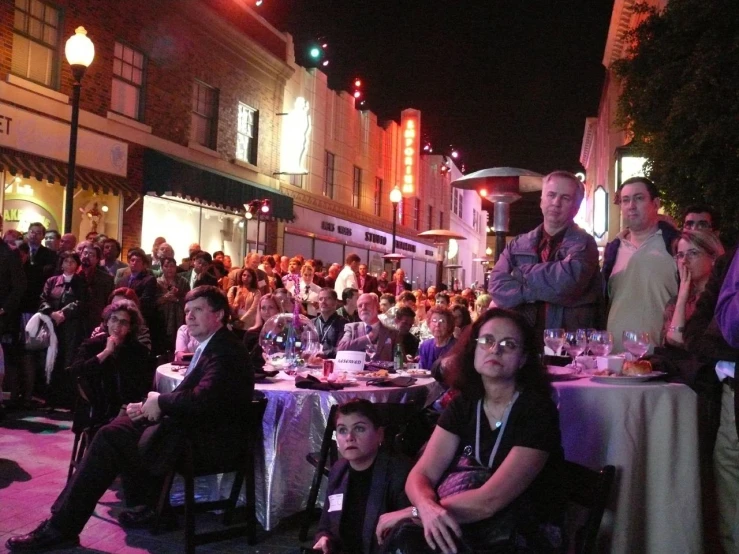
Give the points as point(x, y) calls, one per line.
point(649, 432)
point(293, 426)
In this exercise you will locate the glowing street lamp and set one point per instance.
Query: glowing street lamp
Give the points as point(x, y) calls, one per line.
point(79, 51)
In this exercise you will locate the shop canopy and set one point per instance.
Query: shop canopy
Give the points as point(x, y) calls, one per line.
point(53, 171)
point(165, 174)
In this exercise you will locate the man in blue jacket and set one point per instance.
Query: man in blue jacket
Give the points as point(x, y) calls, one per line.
point(551, 273)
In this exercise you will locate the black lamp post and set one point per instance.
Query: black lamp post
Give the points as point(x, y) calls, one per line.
point(395, 197)
point(79, 52)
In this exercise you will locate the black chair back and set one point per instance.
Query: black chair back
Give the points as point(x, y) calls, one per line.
point(589, 490)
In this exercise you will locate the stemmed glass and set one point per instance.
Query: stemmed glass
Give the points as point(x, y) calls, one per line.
point(554, 339)
point(575, 344)
point(636, 342)
point(601, 343)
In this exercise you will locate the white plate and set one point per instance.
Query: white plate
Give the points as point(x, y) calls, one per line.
point(558, 371)
point(627, 379)
point(415, 373)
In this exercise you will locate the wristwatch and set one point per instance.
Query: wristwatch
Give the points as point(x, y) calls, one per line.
point(414, 511)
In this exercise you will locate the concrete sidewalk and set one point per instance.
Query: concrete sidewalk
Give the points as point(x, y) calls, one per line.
point(34, 457)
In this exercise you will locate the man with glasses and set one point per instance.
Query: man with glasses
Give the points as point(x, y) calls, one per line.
point(638, 268)
point(209, 406)
point(550, 274)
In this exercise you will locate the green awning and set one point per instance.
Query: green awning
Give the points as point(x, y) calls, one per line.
point(165, 174)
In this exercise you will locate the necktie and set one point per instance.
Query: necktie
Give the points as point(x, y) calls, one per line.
point(194, 360)
point(368, 328)
point(546, 249)
point(307, 290)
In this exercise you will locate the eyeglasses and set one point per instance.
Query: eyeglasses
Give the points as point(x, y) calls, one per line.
point(702, 224)
point(487, 342)
point(123, 322)
point(688, 255)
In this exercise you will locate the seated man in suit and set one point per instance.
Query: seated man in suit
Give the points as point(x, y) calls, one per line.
point(209, 406)
point(369, 330)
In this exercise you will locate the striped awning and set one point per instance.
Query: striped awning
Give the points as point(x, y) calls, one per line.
point(53, 171)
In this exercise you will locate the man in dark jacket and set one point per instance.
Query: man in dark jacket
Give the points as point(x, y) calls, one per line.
point(329, 324)
point(12, 286)
point(100, 285)
point(210, 404)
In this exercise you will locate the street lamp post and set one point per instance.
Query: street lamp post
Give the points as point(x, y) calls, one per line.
point(395, 197)
point(79, 52)
point(257, 207)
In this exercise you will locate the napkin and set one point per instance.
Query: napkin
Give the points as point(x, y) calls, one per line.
point(310, 382)
point(394, 382)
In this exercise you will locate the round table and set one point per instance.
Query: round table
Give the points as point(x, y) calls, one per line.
point(649, 432)
point(293, 426)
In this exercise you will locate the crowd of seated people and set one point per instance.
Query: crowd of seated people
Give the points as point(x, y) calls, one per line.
point(484, 345)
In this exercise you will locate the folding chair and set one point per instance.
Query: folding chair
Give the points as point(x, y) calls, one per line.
point(589, 490)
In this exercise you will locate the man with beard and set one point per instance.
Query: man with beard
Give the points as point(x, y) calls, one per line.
point(329, 324)
point(369, 331)
point(99, 282)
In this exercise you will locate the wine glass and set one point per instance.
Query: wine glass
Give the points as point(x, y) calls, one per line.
point(554, 339)
point(601, 343)
point(588, 334)
point(575, 343)
point(636, 342)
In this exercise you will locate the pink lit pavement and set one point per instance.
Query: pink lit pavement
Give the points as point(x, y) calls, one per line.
point(34, 457)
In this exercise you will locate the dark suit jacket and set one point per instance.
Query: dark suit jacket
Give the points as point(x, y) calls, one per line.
point(355, 338)
point(145, 286)
point(37, 269)
point(370, 284)
point(393, 288)
point(330, 333)
point(12, 285)
point(387, 494)
point(212, 402)
point(100, 285)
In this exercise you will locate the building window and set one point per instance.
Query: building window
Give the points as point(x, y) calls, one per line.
point(246, 134)
point(357, 187)
point(296, 180)
point(441, 219)
point(459, 204)
point(475, 220)
point(35, 41)
point(454, 201)
point(431, 218)
point(204, 114)
point(328, 183)
point(128, 79)
point(378, 196)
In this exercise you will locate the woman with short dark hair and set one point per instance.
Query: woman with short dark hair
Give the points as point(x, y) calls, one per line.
point(364, 494)
point(64, 300)
point(110, 367)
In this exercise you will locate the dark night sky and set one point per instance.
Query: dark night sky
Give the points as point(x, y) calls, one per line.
point(508, 82)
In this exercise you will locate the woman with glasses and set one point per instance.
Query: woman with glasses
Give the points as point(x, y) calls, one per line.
point(504, 423)
point(441, 326)
point(695, 253)
point(109, 367)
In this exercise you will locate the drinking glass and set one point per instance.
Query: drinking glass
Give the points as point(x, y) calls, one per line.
point(554, 339)
point(636, 342)
point(601, 343)
point(575, 344)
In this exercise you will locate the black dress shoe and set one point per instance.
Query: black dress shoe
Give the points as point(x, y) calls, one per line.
point(44, 537)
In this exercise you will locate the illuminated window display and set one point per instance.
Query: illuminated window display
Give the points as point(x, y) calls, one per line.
point(28, 200)
point(183, 223)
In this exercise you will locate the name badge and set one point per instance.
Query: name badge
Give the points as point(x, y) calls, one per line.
point(335, 502)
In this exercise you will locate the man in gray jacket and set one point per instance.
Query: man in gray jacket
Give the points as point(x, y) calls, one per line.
point(551, 274)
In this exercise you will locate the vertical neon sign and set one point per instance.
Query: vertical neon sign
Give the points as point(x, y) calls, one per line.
point(410, 124)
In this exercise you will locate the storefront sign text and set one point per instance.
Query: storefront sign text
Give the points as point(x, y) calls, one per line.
point(374, 238)
point(342, 230)
point(5, 124)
